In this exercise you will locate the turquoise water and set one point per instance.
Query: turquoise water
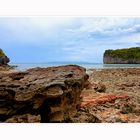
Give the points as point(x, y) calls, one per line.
point(24, 66)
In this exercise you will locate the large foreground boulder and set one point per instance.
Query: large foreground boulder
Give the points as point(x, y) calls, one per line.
point(41, 94)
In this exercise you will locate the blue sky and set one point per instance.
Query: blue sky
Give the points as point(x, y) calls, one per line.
point(80, 39)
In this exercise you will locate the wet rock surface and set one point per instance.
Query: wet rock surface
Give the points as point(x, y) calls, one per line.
point(41, 94)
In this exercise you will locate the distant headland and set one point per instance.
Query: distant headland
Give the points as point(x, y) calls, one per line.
point(122, 56)
point(4, 60)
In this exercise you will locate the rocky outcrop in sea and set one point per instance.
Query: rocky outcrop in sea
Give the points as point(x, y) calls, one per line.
point(122, 56)
point(3, 58)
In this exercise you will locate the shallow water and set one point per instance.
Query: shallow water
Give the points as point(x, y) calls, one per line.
point(24, 66)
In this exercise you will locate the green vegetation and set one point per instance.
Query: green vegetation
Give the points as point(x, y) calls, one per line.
point(129, 53)
point(1, 53)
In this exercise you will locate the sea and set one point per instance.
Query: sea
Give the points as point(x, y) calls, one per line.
point(25, 66)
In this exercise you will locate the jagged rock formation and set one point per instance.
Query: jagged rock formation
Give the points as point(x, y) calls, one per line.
point(41, 94)
point(122, 56)
point(3, 58)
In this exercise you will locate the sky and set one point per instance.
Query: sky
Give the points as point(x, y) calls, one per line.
point(66, 39)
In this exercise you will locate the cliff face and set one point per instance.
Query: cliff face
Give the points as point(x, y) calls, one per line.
point(122, 56)
point(41, 94)
point(3, 58)
point(117, 60)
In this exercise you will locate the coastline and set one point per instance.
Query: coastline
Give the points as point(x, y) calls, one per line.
point(118, 99)
point(8, 69)
point(88, 66)
point(111, 96)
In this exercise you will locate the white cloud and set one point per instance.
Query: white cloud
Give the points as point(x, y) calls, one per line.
point(107, 25)
point(74, 38)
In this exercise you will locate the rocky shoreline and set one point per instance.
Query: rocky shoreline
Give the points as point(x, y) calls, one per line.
point(113, 95)
point(68, 94)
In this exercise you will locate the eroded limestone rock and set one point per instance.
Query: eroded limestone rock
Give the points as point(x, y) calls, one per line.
point(51, 93)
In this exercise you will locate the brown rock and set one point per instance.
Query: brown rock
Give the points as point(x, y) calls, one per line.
point(53, 93)
point(102, 99)
point(25, 118)
point(127, 108)
point(100, 87)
